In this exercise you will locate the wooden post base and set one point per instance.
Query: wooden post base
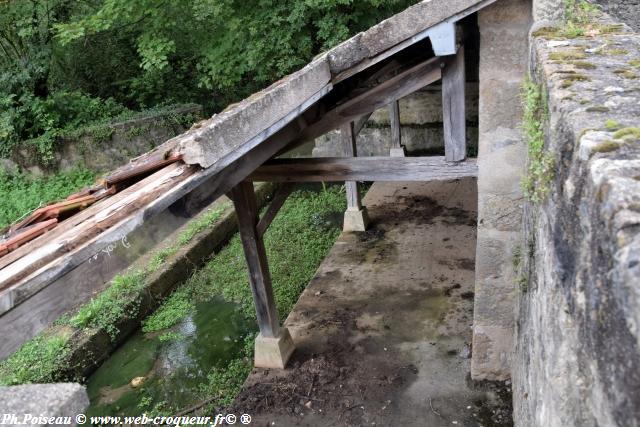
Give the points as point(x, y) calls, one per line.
point(275, 352)
point(356, 219)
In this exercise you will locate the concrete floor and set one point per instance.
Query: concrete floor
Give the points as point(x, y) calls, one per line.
point(383, 330)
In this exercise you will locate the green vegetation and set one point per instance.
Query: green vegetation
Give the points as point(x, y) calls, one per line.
point(597, 109)
point(21, 194)
point(58, 58)
point(39, 360)
point(540, 168)
point(568, 81)
point(606, 146)
point(631, 133)
point(584, 65)
point(302, 227)
point(122, 298)
point(567, 55)
point(627, 74)
point(611, 124)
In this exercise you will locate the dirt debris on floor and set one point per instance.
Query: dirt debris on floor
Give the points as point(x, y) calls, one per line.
point(383, 331)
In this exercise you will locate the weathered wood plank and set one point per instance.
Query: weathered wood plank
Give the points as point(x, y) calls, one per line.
point(350, 150)
point(364, 169)
point(244, 199)
point(453, 111)
point(66, 252)
point(282, 193)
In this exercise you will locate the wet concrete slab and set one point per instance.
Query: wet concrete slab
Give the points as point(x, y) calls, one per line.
point(383, 331)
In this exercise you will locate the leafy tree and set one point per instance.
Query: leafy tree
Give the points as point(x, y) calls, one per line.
point(228, 47)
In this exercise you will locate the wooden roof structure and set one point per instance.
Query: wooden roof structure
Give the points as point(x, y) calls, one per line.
point(339, 89)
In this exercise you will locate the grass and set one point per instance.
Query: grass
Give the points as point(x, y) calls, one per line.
point(121, 298)
point(540, 169)
point(34, 363)
point(22, 193)
point(301, 227)
point(37, 361)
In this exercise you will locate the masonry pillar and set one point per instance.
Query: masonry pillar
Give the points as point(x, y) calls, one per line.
point(501, 156)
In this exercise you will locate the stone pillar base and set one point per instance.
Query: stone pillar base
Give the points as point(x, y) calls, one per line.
point(397, 152)
point(274, 352)
point(355, 219)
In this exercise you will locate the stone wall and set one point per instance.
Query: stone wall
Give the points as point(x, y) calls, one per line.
point(503, 57)
point(577, 360)
point(627, 11)
point(421, 127)
point(105, 147)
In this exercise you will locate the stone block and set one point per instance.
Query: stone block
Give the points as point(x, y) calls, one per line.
point(62, 401)
point(502, 212)
point(506, 12)
point(397, 152)
point(499, 104)
point(492, 351)
point(275, 352)
point(503, 53)
point(355, 219)
point(500, 170)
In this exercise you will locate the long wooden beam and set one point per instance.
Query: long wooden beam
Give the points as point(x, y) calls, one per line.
point(324, 169)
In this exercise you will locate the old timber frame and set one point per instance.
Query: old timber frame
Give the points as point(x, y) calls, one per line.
point(224, 154)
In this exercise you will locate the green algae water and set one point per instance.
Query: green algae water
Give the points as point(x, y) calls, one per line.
point(150, 370)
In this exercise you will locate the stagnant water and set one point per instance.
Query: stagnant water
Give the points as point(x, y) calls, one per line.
point(173, 370)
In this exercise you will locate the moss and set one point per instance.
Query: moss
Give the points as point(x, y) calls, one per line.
point(611, 124)
point(597, 109)
point(548, 32)
point(609, 28)
point(613, 51)
point(540, 168)
point(606, 146)
point(627, 74)
point(583, 65)
point(567, 55)
point(635, 63)
point(568, 81)
point(628, 133)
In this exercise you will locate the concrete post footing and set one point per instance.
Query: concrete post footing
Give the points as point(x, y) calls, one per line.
point(397, 152)
point(356, 219)
point(274, 352)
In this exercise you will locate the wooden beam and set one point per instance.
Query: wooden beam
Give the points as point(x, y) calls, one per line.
point(282, 193)
point(394, 121)
point(359, 124)
point(453, 114)
point(244, 199)
point(401, 85)
point(364, 169)
point(350, 150)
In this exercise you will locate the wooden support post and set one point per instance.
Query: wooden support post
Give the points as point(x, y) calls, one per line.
point(355, 218)
point(274, 344)
point(396, 150)
point(453, 114)
point(283, 191)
